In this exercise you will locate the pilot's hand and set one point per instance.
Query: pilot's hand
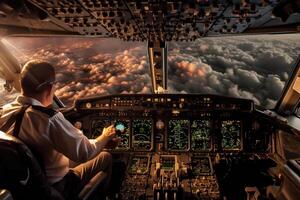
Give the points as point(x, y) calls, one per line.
point(109, 132)
point(113, 143)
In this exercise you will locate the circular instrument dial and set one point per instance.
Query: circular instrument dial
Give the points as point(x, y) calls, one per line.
point(160, 124)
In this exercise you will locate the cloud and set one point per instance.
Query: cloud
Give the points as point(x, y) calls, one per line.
point(123, 72)
point(273, 86)
point(254, 67)
point(236, 92)
point(6, 96)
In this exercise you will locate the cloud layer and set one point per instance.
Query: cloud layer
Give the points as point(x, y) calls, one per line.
point(6, 96)
point(255, 68)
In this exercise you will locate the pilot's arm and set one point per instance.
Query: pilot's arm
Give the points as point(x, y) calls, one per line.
point(71, 142)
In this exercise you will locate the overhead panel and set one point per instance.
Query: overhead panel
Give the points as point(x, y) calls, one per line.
point(22, 17)
point(151, 20)
point(77, 15)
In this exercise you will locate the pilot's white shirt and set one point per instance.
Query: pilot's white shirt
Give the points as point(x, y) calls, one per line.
point(55, 138)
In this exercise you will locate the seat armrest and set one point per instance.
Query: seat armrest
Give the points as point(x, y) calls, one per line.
point(92, 185)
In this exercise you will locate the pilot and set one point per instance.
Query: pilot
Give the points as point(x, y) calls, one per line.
point(56, 140)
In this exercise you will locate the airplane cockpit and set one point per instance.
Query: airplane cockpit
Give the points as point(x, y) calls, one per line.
point(174, 143)
point(185, 146)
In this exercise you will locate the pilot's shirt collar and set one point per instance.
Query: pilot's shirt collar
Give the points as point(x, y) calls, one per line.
point(28, 100)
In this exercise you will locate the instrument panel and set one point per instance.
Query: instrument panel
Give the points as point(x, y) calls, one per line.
point(181, 134)
point(168, 122)
point(173, 146)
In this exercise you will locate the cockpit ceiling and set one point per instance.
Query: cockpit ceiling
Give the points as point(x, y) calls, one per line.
point(146, 20)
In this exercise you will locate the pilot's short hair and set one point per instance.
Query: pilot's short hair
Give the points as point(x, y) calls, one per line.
point(36, 77)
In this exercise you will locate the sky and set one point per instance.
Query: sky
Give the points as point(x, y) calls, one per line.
point(252, 67)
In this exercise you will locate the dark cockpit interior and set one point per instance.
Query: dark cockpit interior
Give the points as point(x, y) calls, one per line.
point(185, 146)
point(179, 146)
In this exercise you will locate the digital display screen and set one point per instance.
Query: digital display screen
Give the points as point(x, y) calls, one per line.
point(167, 162)
point(178, 134)
point(139, 165)
point(98, 126)
point(201, 166)
point(200, 132)
point(124, 134)
point(141, 134)
point(231, 134)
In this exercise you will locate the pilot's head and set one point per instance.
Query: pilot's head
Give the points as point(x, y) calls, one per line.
point(37, 80)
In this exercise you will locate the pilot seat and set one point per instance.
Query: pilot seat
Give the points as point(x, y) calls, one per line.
point(24, 177)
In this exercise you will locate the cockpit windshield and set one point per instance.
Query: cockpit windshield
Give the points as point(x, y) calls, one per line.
point(252, 67)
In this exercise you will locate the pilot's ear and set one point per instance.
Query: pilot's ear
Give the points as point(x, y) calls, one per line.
point(48, 91)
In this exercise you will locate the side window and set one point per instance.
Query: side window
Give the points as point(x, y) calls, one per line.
point(6, 96)
point(288, 145)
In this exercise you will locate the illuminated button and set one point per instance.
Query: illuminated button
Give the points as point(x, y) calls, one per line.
point(156, 100)
point(88, 105)
point(107, 105)
point(168, 99)
point(182, 99)
point(149, 99)
point(175, 112)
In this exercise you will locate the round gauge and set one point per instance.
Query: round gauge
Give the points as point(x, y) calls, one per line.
point(160, 124)
point(88, 105)
point(78, 125)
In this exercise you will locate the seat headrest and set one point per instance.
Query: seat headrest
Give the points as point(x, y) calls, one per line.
point(9, 138)
point(16, 160)
point(16, 156)
point(20, 172)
